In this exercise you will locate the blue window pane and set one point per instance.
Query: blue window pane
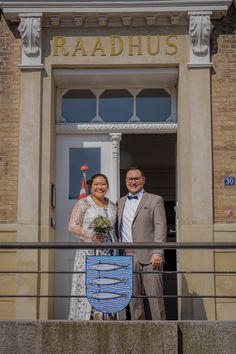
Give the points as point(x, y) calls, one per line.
point(79, 106)
point(116, 105)
point(78, 157)
point(153, 105)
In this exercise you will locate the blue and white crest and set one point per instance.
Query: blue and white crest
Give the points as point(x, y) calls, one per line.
point(109, 282)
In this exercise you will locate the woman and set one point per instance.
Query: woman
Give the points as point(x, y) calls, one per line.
point(84, 212)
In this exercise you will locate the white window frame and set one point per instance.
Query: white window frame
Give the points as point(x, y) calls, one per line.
point(132, 79)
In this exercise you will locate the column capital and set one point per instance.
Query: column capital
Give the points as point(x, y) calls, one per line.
point(115, 136)
point(30, 29)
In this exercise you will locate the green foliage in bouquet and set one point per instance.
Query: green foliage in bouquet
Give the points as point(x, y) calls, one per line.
point(101, 225)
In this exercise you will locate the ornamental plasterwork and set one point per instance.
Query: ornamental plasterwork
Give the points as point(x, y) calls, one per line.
point(30, 29)
point(55, 20)
point(175, 20)
point(151, 20)
point(78, 20)
point(117, 21)
point(199, 31)
point(126, 20)
point(200, 27)
point(155, 128)
point(102, 21)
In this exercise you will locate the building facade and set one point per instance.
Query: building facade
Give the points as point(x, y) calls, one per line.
point(109, 84)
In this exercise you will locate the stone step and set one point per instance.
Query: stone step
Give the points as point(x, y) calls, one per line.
point(117, 337)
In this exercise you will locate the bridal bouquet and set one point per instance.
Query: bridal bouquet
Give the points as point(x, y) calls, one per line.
point(101, 225)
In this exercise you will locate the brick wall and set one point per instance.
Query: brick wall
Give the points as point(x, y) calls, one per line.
point(224, 115)
point(223, 118)
point(9, 122)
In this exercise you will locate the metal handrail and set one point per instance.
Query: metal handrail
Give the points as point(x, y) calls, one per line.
point(118, 245)
point(121, 246)
point(135, 272)
point(140, 296)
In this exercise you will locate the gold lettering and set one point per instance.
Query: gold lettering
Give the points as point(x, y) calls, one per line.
point(59, 42)
point(115, 51)
point(79, 47)
point(98, 47)
point(149, 45)
point(132, 45)
point(172, 45)
point(117, 45)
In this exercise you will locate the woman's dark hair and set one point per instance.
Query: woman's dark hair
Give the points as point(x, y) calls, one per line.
point(90, 182)
point(134, 168)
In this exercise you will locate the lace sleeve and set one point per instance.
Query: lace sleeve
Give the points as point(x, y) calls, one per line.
point(77, 218)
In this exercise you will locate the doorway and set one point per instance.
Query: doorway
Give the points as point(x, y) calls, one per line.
point(156, 155)
point(73, 151)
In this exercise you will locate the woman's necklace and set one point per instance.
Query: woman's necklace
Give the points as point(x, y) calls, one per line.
point(100, 203)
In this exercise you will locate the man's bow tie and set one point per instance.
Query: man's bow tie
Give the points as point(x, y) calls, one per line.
point(132, 197)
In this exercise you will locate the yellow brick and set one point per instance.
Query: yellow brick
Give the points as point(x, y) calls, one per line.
point(9, 122)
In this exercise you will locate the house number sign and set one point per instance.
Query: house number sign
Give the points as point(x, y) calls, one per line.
point(229, 181)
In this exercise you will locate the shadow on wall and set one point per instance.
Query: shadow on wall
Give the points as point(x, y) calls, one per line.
point(191, 308)
point(222, 27)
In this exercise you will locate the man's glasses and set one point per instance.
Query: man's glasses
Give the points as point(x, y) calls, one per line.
point(136, 179)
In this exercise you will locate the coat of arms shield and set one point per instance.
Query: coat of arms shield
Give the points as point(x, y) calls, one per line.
point(109, 281)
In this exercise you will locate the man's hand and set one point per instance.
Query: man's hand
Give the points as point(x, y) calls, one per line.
point(156, 261)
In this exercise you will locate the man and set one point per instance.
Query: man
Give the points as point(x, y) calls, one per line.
point(141, 218)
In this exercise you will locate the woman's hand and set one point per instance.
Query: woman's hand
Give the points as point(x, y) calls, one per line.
point(98, 238)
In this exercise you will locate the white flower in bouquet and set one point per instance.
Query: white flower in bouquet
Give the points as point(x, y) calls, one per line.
point(101, 225)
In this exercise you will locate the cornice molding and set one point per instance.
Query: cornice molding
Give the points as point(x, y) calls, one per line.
point(11, 9)
point(162, 4)
point(134, 128)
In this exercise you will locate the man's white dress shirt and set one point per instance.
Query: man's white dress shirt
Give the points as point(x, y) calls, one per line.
point(129, 211)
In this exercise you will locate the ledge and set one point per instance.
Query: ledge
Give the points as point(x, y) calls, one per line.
point(31, 67)
point(199, 65)
point(226, 227)
point(8, 227)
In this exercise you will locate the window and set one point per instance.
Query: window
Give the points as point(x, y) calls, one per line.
point(116, 105)
point(78, 106)
point(77, 158)
point(144, 105)
point(153, 105)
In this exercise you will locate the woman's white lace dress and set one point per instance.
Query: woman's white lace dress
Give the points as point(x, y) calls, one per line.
point(84, 212)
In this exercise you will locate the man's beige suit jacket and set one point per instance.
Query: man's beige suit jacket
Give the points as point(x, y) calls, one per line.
point(149, 224)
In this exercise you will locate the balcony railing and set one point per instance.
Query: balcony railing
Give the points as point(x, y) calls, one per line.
point(119, 246)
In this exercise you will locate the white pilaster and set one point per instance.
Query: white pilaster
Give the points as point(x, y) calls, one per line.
point(115, 139)
point(29, 190)
point(195, 208)
point(29, 160)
